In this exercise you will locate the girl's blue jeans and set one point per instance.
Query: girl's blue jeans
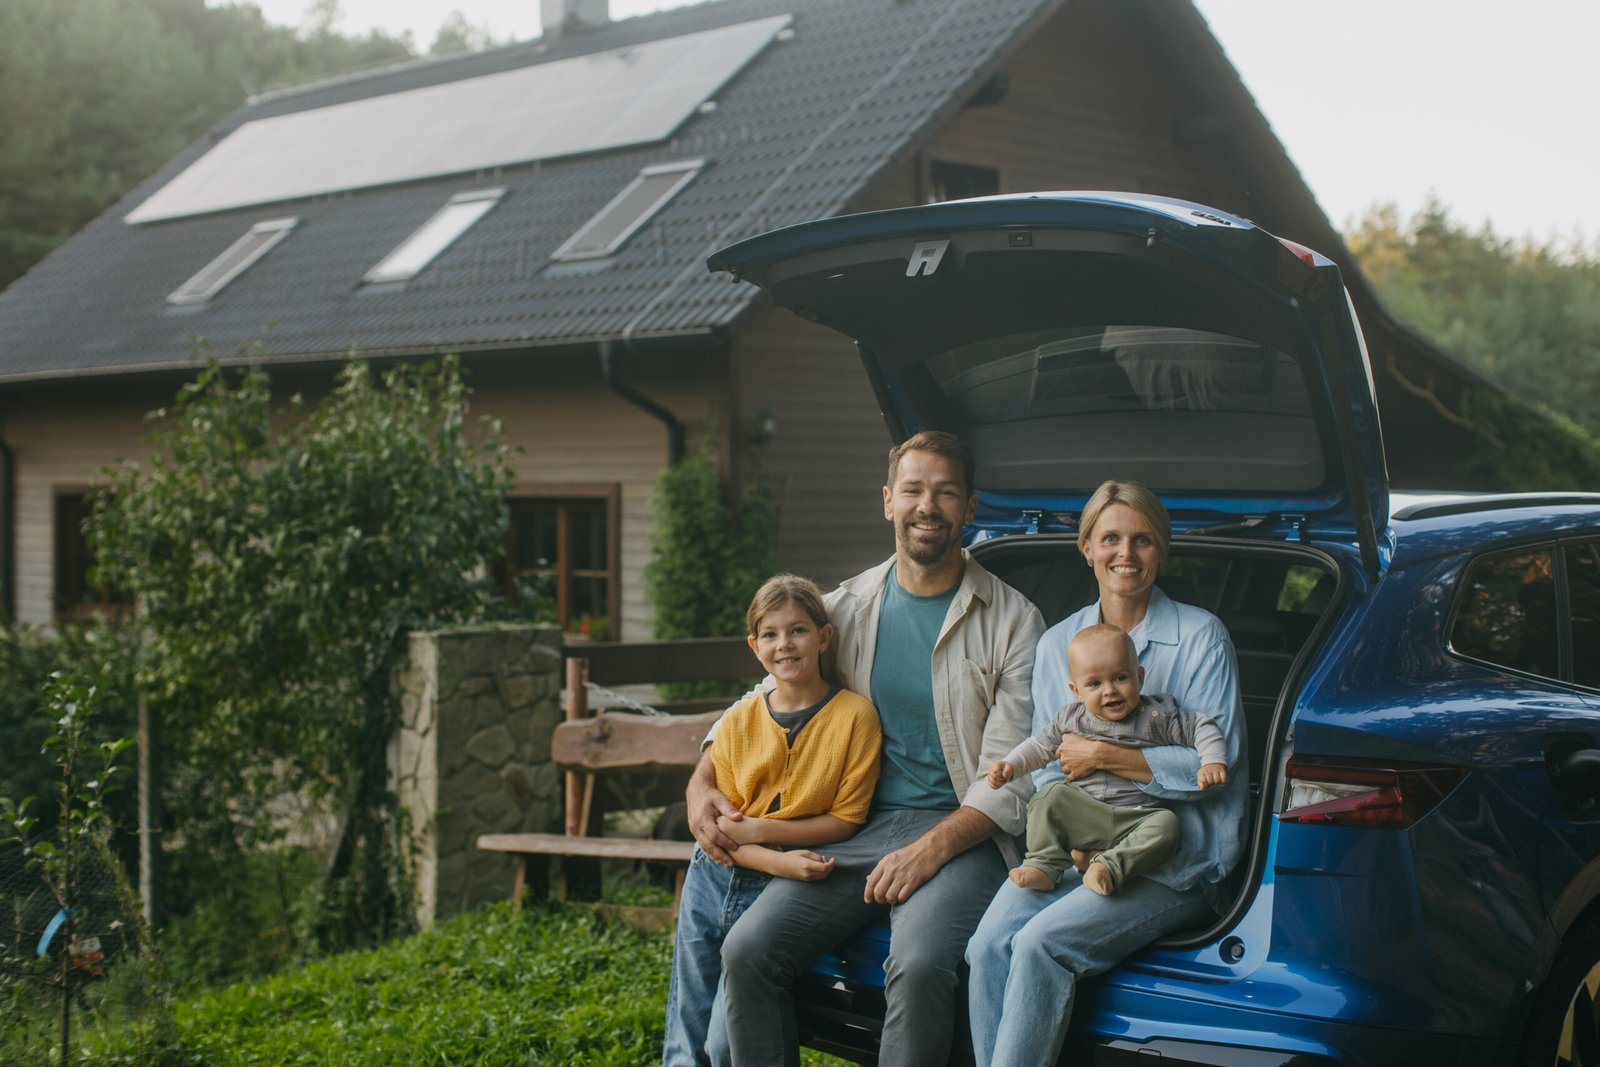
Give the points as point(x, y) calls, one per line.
point(713, 897)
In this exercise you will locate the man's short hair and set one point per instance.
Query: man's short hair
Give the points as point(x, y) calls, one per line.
point(782, 589)
point(940, 444)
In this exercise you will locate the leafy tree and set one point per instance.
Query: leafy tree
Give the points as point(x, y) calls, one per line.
point(710, 555)
point(96, 94)
point(276, 560)
point(1526, 314)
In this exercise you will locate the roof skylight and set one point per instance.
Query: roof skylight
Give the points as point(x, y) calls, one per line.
point(434, 236)
point(234, 261)
point(630, 209)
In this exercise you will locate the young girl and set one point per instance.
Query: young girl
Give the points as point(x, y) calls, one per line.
point(800, 760)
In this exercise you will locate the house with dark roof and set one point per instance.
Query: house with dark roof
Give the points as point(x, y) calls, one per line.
point(546, 209)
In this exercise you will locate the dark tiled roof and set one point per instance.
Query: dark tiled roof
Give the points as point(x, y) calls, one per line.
point(795, 136)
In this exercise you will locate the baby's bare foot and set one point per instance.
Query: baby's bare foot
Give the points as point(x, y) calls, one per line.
point(1098, 878)
point(1032, 878)
point(1082, 857)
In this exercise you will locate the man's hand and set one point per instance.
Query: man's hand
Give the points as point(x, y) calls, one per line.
point(704, 805)
point(905, 870)
point(1001, 773)
point(1212, 774)
point(902, 872)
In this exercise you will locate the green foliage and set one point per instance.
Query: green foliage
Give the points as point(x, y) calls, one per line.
point(710, 556)
point(70, 870)
point(28, 657)
point(96, 94)
point(543, 986)
point(1527, 315)
point(276, 560)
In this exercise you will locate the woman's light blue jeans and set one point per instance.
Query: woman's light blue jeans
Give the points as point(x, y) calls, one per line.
point(1031, 948)
point(713, 897)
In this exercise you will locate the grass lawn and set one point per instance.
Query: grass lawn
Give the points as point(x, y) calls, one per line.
point(550, 985)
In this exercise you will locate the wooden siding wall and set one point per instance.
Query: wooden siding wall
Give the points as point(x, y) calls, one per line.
point(570, 428)
point(1087, 107)
point(825, 464)
point(61, 440)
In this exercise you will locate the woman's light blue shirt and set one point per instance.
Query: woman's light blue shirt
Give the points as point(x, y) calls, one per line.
point(1185, 651)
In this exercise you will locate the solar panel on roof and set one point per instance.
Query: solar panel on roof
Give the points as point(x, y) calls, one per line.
point(627, 96)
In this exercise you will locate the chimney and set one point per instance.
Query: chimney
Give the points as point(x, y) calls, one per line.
point(560, 16)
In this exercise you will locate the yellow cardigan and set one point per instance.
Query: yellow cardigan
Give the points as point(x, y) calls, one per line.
point(832, 769)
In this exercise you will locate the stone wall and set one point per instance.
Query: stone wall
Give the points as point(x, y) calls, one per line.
point(472, 756)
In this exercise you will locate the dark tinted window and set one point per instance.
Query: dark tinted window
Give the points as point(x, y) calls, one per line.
point(1583, 599)
point(1506, 613)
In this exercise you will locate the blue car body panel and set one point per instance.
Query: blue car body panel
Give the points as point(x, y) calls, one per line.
point(1346, 944)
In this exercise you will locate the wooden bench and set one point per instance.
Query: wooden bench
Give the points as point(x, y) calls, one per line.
point(589, 745)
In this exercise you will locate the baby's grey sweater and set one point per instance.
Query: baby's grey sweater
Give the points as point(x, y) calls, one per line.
point(1157, 721)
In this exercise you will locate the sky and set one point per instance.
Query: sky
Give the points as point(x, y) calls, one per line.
point(1485, 105)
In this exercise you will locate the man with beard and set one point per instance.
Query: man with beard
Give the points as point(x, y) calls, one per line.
point(945, 650)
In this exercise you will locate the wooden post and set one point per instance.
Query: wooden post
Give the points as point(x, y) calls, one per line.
point(580, 877)
point(577, 708)
point(149, 816)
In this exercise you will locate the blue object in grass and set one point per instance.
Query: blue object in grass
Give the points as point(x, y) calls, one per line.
point(50, 931)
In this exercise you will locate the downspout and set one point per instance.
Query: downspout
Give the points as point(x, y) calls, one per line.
point(608, 370)
point(8, 530)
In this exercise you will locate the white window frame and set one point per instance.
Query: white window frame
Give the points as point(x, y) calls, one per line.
point(427, 242)
point(234, 260)
point(578, 247)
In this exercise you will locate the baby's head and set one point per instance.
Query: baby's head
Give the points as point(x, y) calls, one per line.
point(1105, 671)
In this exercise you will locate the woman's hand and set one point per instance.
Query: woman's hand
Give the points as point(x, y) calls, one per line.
point(1079, 756)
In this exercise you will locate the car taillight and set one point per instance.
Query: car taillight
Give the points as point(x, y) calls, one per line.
point(1371, 795)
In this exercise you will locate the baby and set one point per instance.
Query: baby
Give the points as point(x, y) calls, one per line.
point(1103, 824)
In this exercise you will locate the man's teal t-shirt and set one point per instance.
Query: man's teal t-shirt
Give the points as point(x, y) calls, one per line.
point(914, 772)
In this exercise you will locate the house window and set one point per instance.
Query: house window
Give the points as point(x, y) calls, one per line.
point(957, 181)
point(234, 261)
point(630, 209)
point(434, 236)
point(563, 546)
point(76, 596)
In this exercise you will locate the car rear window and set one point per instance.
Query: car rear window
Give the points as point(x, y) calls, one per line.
point(1506, 613)
point(1583, 600)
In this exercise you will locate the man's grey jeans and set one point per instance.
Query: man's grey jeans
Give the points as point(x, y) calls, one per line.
point(792, 922)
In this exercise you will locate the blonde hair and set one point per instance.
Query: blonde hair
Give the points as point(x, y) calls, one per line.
point(783, 589)
point(1135, 496)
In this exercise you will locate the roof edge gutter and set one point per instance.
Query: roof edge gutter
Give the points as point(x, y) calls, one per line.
point(675, 432)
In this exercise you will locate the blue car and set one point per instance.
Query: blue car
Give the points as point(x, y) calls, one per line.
point(1421, 673)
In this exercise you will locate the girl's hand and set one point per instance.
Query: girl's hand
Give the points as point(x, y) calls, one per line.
point(1212, 774)
point(745, 830)
point(805, 866)
point(1001, 773)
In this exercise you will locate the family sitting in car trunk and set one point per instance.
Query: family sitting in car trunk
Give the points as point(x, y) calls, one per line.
point(932, 687)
